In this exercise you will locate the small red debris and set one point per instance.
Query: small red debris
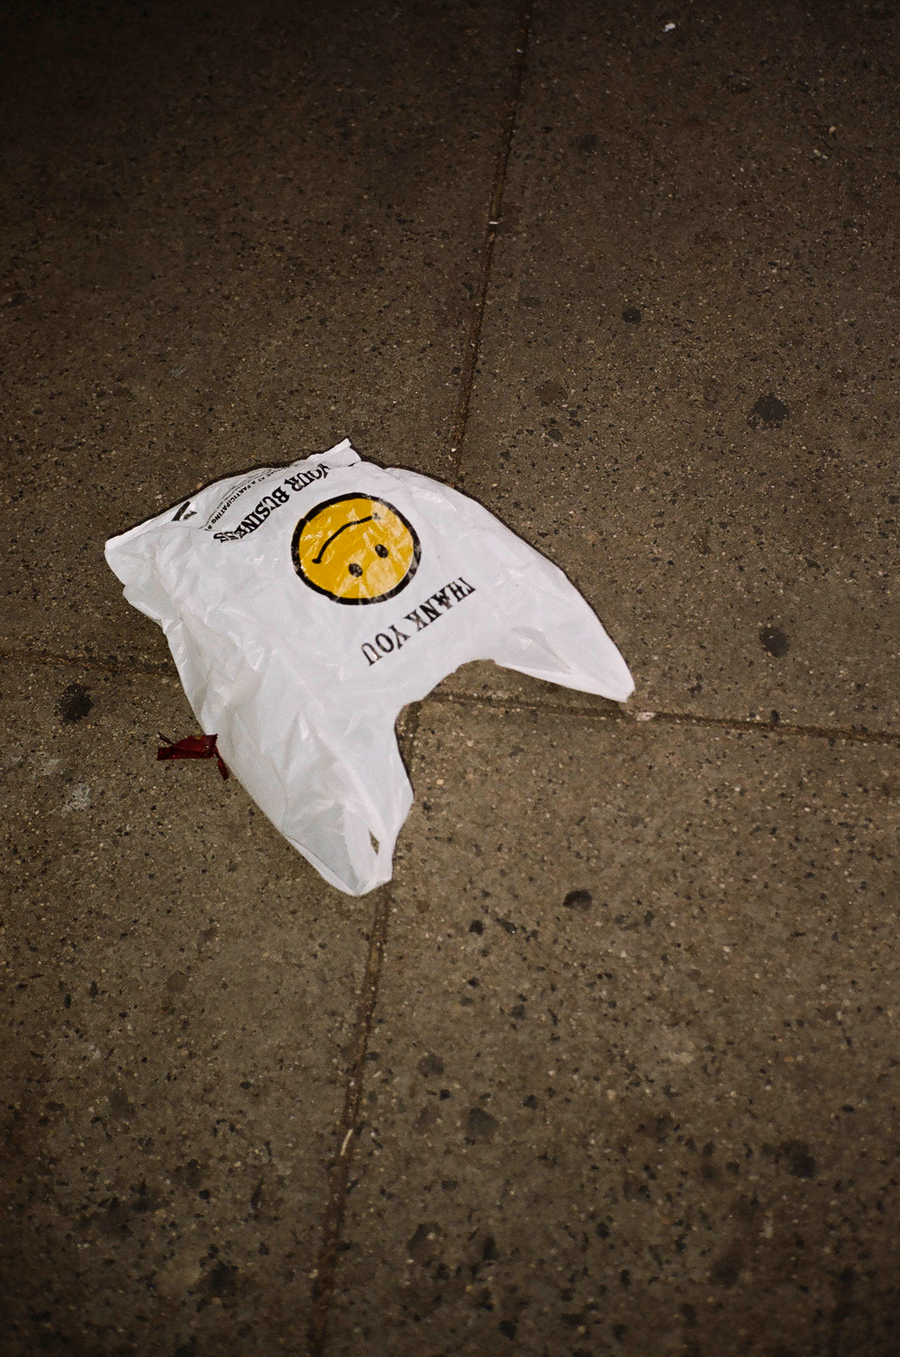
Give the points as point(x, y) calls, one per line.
point(192, 747)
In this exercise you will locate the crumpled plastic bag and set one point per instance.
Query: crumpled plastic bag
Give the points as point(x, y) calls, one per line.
point(306, 605)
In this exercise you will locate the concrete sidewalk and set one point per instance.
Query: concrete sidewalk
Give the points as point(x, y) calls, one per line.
point(611, 1067)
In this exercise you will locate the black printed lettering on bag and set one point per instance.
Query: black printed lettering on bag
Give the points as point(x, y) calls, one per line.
point(423, 616)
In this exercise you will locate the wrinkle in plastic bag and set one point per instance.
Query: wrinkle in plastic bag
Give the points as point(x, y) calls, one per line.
point(306, 605)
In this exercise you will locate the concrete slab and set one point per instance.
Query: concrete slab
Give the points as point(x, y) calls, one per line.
point(633, 1075)
point(233, 236)
point(179, 990)
point(688, 368)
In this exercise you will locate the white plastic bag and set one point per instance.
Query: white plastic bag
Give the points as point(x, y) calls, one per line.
point(306, 605)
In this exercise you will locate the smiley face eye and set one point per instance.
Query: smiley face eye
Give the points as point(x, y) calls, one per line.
point(381, 550)
point(354, 568)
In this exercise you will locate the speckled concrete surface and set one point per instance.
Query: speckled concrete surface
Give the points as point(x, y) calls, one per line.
point(688, 380)
point(179, 996)
point(633, 1075)
point(611, 1067)
point(232, 237)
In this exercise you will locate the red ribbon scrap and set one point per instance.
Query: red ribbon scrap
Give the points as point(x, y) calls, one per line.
point(192, 747)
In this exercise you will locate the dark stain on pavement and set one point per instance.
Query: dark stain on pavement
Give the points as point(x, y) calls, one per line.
point(768, 413)
point(422, 1246)
point(798, 1158)
point(480, 1125)
point(774, 641)
point(75, 702)
point(551, 393)
point(578, 900)
point(726, 1270)
point(222, 1280)
point(632, 315)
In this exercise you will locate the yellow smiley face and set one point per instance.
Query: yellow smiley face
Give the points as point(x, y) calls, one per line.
point(355, 549)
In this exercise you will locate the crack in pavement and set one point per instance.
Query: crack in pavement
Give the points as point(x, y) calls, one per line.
point(473, 339)
point(859, 734)
point(348, 1129)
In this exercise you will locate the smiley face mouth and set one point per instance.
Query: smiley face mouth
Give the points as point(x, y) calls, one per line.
point(370, 518)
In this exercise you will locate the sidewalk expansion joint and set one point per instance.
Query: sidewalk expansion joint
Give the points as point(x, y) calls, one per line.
point(473, 338)
point(350, 1125)
point(857, 734)
point(165, 668)
point(348, 1128)
point(111, 665)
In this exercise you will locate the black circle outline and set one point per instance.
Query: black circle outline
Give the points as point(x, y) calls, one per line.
point(373, 499)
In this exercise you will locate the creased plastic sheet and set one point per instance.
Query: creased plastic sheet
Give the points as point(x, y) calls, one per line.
point(306, 605)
